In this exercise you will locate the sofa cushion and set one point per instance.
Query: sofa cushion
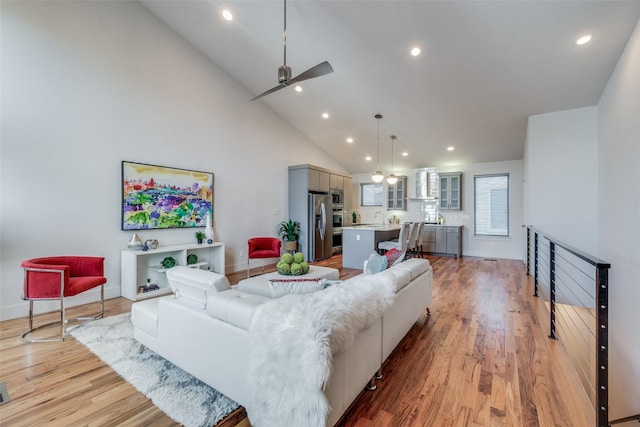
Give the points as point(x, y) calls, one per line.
point(194, 283)
point(415, 266)
point(144, 316)
point(399, 277)
point(375, 264)
point(234, 307)
point(281, 287)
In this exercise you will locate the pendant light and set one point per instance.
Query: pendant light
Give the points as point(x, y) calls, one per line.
point(392, 179)
point(377, 175)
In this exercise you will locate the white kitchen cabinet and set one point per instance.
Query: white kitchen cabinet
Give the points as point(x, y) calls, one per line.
point(450, 194)
point(143, 268)
point(397, 194)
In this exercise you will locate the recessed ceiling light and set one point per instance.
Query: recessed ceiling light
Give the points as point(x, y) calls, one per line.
point(298, 88)
point(584, 39)
point(415, 51)
point(405, 154)
point(325, 115)
point(368, 158)
point(450, 148)
point(349, 140)
point(226, 14)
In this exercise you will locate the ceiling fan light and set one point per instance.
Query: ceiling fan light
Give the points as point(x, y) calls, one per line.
point(377, 177)
point(392, 179)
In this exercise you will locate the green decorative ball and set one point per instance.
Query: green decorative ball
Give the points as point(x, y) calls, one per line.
point(288, 258)
point(168, 262)
point(298, 257)
point(296, 269)
point(305, 267)
point(192, 259)
point(283, 268)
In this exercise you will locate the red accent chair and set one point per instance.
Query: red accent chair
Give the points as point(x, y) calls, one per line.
point(263, 247)
point(59, 277)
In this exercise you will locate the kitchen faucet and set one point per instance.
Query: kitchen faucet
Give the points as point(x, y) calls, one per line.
point(381, 214)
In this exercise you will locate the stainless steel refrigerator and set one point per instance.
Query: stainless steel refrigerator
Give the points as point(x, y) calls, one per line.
point(320, 227)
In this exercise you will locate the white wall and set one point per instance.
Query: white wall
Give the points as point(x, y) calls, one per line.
point(619, 237)
point(86, 85)
point(481, 246)
point(583, 188)
point(562, 176)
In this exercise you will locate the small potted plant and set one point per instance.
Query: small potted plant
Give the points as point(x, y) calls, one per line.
point(200, 236)
point(289, 231)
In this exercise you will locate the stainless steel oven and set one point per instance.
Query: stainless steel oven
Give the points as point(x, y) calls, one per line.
point(337, 198)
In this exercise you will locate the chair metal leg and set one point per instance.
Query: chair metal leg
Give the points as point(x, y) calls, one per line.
point(23, 336)
point(62, 322)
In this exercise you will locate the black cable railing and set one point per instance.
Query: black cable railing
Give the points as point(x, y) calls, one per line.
point(575, 285)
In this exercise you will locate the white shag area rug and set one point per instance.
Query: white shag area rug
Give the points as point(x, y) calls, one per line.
point(293, 339)
point(178, 394)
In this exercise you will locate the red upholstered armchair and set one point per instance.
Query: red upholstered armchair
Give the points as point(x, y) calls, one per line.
point(55, 278)
point(263, 247)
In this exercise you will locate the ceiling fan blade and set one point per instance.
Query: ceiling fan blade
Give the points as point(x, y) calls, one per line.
point(273, 89)
point(317, 71)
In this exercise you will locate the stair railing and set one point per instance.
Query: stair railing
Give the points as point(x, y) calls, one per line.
point(576, 286)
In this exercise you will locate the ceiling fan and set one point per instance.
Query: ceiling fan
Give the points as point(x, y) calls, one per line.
point(284, 72)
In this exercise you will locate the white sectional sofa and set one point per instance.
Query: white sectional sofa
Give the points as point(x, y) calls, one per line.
point(212, 332)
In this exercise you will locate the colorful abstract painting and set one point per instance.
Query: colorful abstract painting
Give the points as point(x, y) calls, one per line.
point(163, 197)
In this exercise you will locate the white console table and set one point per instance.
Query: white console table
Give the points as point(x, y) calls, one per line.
point(142, 268)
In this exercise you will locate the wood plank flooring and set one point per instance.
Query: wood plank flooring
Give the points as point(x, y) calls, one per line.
point(481, 359)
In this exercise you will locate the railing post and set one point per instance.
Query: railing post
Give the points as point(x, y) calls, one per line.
point(528, 251)
point(602, 339)
point(535, 263)
point(552, 289)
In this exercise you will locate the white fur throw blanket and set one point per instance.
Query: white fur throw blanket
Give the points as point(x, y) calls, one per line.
point(293, 339)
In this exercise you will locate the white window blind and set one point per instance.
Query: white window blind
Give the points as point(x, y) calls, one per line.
point(491, 205)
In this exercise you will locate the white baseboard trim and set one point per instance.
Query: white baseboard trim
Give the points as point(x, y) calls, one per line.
point(22, 309)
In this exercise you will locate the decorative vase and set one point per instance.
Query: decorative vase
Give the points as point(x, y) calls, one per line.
point(290, 245)
point(135, 243)
point(208, 229)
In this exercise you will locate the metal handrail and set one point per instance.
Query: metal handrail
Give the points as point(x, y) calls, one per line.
point(595, 261)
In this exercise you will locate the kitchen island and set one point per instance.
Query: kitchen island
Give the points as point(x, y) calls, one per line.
point(358, 241)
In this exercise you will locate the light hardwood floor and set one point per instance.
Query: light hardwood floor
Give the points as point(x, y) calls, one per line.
point(482, 358)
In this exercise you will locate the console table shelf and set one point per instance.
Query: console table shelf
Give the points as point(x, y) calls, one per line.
point(142, 268)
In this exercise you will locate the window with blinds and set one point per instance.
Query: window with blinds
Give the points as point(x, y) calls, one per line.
point(491, 194)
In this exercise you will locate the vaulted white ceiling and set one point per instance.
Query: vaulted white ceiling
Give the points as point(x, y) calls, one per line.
point(485, 67)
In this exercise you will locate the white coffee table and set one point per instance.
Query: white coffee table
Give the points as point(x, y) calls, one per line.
point(259, 284)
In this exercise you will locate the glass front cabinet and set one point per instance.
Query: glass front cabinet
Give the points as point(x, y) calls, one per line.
point(397, 195)
point(450, 194)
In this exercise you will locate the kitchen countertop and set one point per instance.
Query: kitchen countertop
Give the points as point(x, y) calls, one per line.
point(391, 227)
point(373, 227)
